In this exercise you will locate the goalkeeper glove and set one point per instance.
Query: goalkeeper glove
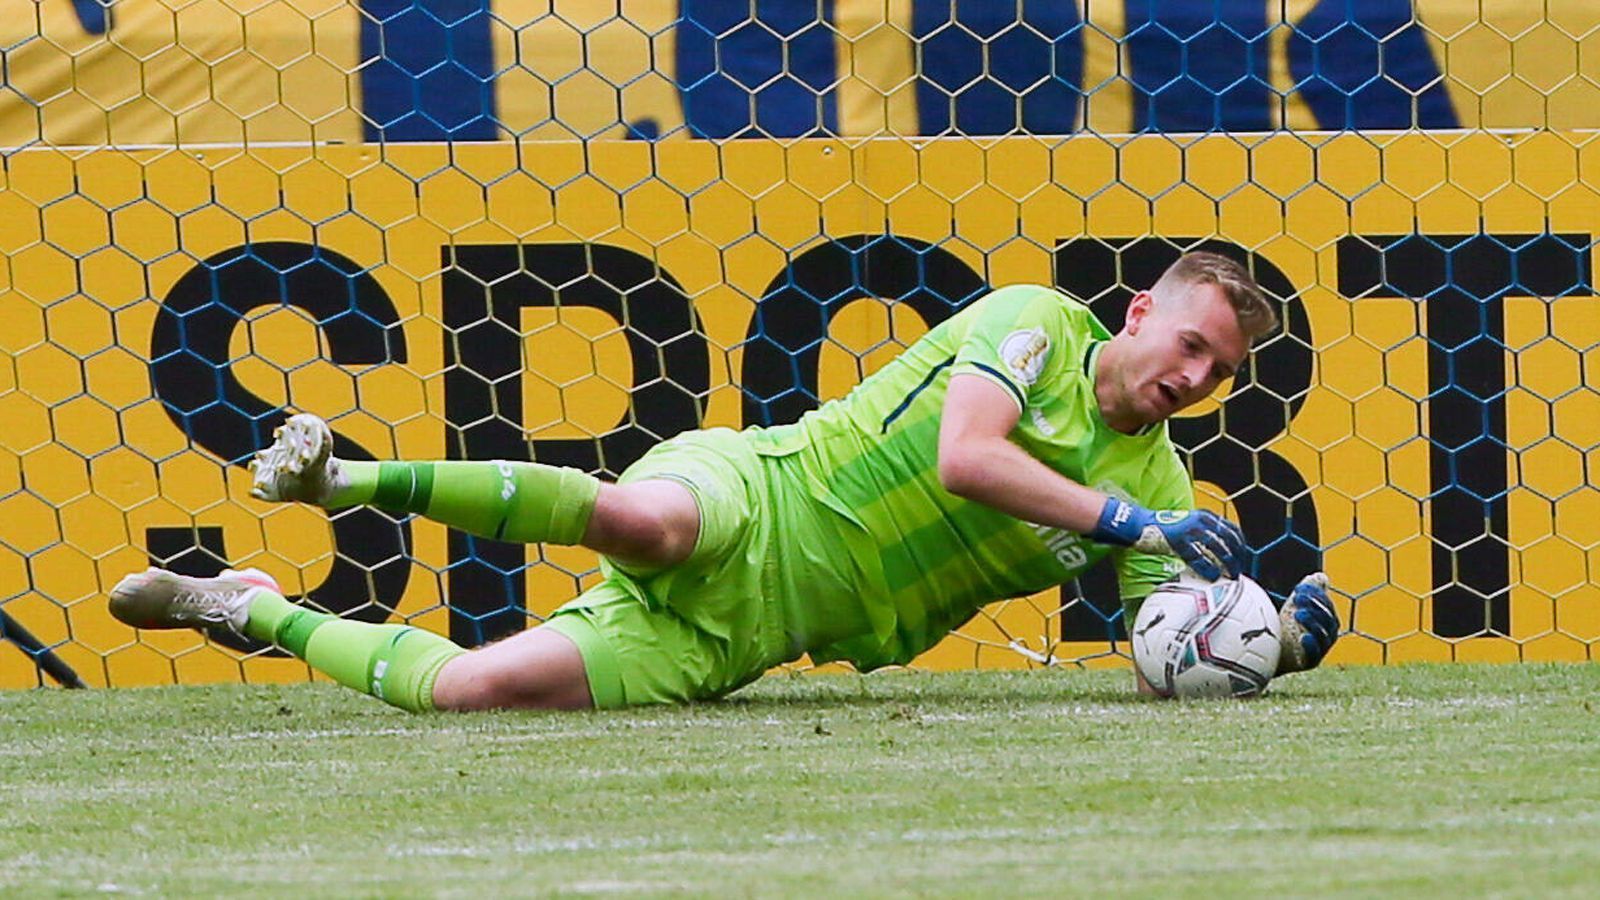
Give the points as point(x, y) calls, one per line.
point(1210, 544)
point(1308, 625)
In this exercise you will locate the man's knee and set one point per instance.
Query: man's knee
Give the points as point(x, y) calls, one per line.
point(538, 669)
point(652, 523)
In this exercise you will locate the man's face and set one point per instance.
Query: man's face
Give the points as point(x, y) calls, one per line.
point(1178, 349)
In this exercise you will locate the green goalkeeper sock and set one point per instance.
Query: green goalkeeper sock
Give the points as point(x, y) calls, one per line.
point(507, 501)
point(397, 664)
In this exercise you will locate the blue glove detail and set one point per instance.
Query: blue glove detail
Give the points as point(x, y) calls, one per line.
point(1309, 606)
point(1210, 544)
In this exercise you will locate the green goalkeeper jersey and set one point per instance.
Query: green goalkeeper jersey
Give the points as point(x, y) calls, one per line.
point(931, 559)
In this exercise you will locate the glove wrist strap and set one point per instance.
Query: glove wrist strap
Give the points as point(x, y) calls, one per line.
point(1120, 523)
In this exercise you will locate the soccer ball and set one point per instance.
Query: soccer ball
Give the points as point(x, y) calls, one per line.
point(1198, 638)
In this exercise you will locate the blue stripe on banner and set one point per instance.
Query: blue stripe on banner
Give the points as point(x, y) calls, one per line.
point(431, 70)
point(93, 15)
point(773, 71)
point(1039, 61)
point(1199, 66)
point(1364, 63)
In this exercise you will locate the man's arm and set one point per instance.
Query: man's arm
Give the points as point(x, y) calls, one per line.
point(978, 462)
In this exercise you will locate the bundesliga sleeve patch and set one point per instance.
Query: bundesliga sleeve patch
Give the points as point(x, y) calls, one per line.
point(1024, 353)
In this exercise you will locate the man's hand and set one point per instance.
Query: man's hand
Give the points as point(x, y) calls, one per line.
point(1210, 544)
point(1308, 625)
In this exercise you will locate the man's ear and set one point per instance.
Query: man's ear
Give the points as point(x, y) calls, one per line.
point(1138, 310)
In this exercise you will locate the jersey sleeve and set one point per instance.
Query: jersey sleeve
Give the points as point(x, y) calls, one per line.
point(1022, 337)
point(1139, 574)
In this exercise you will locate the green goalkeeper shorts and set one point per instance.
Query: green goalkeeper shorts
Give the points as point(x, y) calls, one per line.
point(712, 623)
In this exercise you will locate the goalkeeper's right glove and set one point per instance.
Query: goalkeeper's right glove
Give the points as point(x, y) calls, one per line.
point(1308, 625)
point(1210, 544)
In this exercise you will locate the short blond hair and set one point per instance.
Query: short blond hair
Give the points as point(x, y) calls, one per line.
point(1255, 315)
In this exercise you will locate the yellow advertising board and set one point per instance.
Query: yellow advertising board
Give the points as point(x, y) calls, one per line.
point(1429, 420)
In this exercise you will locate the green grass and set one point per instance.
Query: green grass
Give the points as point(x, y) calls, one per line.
point(1461, 780)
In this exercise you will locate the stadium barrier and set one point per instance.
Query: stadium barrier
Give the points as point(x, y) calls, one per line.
point(1424, 428)
point(133, 72)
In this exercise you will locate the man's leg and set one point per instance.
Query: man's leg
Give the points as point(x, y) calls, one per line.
point(650, 524)
point(407, 667)
point(536, 669)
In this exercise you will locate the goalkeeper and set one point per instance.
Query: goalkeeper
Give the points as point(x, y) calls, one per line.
point(1005, 452)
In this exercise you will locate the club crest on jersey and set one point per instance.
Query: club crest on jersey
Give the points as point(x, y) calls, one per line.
point(1024, 353)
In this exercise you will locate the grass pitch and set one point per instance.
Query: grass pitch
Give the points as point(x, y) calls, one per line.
point(1462, 780)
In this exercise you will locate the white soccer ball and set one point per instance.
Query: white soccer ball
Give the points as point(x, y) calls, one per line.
point(1198, 638)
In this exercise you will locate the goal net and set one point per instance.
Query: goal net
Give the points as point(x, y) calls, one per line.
point(564, 231)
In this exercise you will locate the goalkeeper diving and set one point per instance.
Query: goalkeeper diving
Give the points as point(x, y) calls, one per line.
point(1005, 452)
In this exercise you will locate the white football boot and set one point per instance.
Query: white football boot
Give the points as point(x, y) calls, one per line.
point(156, 598)
point(299, 466)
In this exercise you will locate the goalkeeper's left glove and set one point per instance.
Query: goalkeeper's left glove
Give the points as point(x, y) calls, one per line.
point(1308, 625)
point(1211, 545)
